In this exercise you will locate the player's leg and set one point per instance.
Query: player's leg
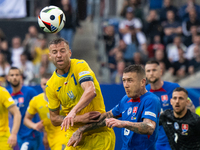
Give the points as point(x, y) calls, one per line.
point(4, 143)
point(30, 144)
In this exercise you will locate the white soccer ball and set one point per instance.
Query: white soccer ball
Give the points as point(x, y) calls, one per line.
point(51, 19)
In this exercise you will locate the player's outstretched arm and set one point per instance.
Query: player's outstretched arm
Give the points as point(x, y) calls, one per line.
point(16, 124)
point(191, 106)
point(30, 124)
point(77, 136)
point(88, 94)
point(145, 127)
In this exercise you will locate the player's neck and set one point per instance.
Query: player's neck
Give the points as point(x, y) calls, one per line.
point(157, 85)
point(63, 71)
point(142, 92)
point(183, 113)
point(17, 89)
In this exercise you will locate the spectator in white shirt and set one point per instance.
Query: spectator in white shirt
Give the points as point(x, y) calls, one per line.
point(190, 50)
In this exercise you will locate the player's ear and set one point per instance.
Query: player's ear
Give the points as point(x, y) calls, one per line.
point(171, 101)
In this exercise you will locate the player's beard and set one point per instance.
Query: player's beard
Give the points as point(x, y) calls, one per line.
point(154, 81)
point(15, 85)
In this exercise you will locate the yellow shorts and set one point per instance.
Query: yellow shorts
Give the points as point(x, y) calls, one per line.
point(100, 140)
point(4, 143)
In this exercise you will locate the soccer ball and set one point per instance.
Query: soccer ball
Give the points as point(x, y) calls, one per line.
point(51, 19)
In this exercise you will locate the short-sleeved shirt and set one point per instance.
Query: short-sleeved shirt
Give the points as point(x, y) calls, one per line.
point(183, 133)
point(6, 101)
point(39, 52)
point(39, 105)
point(164, 94)
point(22, 99)
point(135, 110)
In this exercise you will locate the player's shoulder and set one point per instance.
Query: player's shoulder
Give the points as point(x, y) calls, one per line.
point(38, 97)
point(27, 89)
point(171, 84)
point(124, 99)
point(53, 79)
point(151, 96)
point(2, 89)
point(78, 62)
point(168, 113)
point(148, 87)
point(194, 116)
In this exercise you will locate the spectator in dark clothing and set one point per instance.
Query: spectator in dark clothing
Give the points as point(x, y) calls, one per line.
point(160, 56)
point(193, 21)
point(71, 23)
point(193, 32)
point(4, 49)
point(181, 66)
point(152, 26)
point(194, 64)
point(184, 10)
point(172, 28)
point(167, 6)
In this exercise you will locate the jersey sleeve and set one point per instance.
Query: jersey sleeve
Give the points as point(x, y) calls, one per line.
point(84, 72)
point(54, 103)
point(161, 118)
point(7, 99)
point(32, 107)
point(151, 109)
point(117, 110)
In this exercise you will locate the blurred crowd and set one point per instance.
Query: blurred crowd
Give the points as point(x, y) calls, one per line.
point(169, 34)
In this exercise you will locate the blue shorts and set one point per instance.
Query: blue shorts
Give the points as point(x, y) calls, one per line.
point(163, 146)
point(29, 144)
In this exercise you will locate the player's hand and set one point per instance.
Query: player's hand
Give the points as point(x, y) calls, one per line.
point(45, 142)
point(89, 117)
point(112, 122)
point(68, 120)
point(12, 140)
point(39, 126)
point(75, 139)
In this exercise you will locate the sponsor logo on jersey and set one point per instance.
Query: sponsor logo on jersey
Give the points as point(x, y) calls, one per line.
point(164, 98)
point(176, 126)
point(135, 111)
point(126, 131)
point(185, 128)
point(169, 122)
point(133, 118)
point(71, 95)
point(83, 73)
point(149, 113)
point(80, 62)
point(129, 111)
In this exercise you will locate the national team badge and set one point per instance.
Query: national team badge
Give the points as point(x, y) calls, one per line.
point(185, 128)
point(129, 111)
point(66, 83)
point(164, 98)
point(21, 100)
point(176, 126)
point(135, 111)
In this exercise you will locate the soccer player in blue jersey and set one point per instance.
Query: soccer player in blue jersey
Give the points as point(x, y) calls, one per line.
point(28, 139)
point(163, 90)
point(139, 110)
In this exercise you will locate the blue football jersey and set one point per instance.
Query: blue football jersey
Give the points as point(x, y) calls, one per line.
point(164, 94)
point(135, 110)
point(22, 99)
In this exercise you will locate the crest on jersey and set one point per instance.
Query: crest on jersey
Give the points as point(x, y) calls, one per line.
point(164, 98)
point(135, 111)
point(71, 95)
point(176, 126)
point(21, 100)
point(129, 111)
point(185, 128)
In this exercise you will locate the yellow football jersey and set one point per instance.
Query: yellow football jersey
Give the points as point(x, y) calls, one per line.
point(66, 90)
point(54, 134)
point(6, 101)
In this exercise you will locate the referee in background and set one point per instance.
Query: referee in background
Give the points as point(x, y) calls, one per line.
point(182, 126)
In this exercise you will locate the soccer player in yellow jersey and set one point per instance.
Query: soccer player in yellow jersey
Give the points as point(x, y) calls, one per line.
point(75, 87)
point(7, 104)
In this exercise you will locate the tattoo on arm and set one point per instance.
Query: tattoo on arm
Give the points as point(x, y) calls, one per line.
point(101, 122)
point(145, 127)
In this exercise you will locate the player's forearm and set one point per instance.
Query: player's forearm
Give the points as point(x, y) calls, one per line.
point(57, 120)
point(101, 122)
point(29, 123)
point(85, 99)
point(139, 127)
point(16, 122)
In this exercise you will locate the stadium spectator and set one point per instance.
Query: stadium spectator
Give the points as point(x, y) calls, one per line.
point(194, 64)
point(181, 66)
point(116, 76)
point(4, 66)
point(193, 21)
point(7, 105)
point(27, 69)
point(135, 4)
point(160, 57)
point(171, 28)
point(5, 50)
point(185, 9)
point(83, 95)
point(139, 110)
point(26, 138)
point(167, 75)
point(71, 23)
point(172, 49)
point(130, 23)
point(192, 33)
point(180, 124)
point(152, 25)
point(167, 5)
point(190, 50)
point(16, 50)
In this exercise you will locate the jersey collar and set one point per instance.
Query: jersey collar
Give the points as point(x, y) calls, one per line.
point(158, 90)
point(18, 93)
